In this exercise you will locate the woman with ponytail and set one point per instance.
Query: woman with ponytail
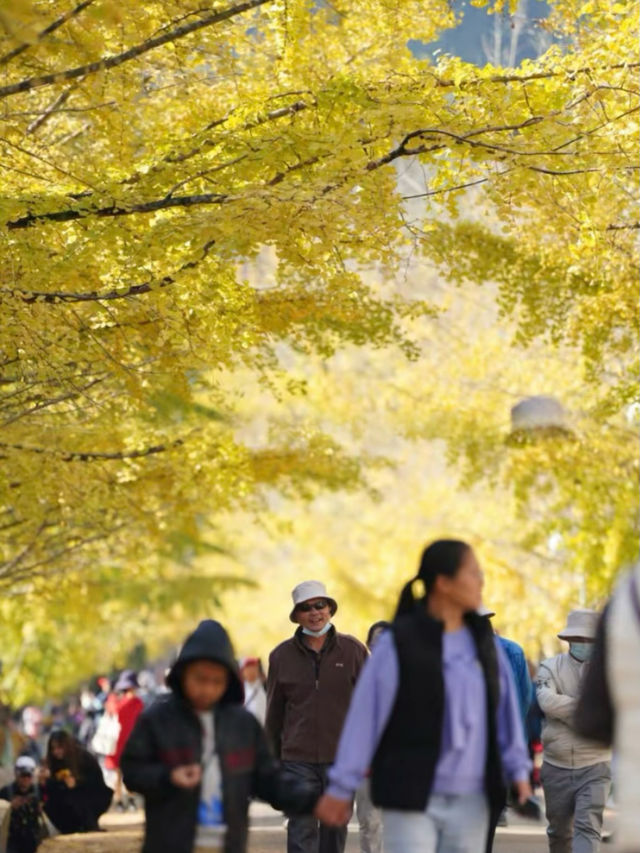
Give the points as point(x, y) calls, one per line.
point(435, 717)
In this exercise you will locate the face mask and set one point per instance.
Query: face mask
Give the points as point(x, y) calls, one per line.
point(581, 651)
point(319, 633)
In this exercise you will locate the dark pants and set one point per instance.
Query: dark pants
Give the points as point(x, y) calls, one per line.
point(304, 833)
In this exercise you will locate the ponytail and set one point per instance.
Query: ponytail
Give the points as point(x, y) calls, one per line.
point(406, 602)
point(442, 557)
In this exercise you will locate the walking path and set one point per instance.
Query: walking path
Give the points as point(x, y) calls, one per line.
point(124, 834)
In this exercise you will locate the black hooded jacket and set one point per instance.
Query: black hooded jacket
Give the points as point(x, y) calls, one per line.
point(168, 734)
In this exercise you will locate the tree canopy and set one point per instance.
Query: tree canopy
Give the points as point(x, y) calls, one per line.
point(188, 191)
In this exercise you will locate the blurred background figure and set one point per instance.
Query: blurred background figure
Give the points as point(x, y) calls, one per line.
point(609, 706)
point(147, 687)
point(74, 790)
point(524, 688)
point(127, 707)
point(21, 829)
point(12, 742)
point(534, 731)
point(32, 728)
point(255, 694)
point(369, 817)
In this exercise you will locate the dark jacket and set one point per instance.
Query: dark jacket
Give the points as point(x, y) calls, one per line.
point(76, 809)
point(405, 762)
point(25, 828)
point(595, 717)
point(168, 735)
point(308, 695)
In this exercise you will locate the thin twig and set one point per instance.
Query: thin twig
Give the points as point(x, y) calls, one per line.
point(109, 62)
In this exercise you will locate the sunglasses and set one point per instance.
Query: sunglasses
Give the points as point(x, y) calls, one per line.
point(306, 607)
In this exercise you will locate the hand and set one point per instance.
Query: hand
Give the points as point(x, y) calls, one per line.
point(332, 811)
point(186, 776)
point(18, 801)
point(70, 781)
point(522, 791)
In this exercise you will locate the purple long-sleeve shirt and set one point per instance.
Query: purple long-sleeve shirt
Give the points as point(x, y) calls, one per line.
point(462, 761)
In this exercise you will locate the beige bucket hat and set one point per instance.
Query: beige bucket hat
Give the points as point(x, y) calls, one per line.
point(580, 623)
point(307, 590)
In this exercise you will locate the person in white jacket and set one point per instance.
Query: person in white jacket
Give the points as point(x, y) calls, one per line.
point(624, 678)
point(609, 708)
point(576, 773)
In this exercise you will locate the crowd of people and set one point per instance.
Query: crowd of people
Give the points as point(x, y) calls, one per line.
point(429, 729)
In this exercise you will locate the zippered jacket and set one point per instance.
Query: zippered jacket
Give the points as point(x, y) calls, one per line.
point(558, 686)
point(168, 734)
point(308, 695)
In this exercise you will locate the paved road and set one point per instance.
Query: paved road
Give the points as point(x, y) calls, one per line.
point(124, 833)
point(509, 841)
point(268, 836)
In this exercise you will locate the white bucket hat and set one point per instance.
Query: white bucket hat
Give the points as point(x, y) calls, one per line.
point(580, 623)
point(25, 764)
point(307, 590)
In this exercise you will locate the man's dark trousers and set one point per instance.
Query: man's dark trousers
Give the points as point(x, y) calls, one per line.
point(304, 833)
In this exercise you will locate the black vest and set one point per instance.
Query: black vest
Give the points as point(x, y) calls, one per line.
point(405, 762)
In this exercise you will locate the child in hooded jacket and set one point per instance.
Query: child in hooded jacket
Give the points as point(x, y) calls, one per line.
point(198, 756)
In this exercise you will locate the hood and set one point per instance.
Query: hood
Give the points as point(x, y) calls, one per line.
point(211, 642)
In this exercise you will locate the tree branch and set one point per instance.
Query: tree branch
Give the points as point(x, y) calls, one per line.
point(90, 456)
point(529, 78)
point(44, 404)
point(31, 296)
point(71, 214)
point(446, 189)
point(62, 98)
point(132, 53)
point(59, 22)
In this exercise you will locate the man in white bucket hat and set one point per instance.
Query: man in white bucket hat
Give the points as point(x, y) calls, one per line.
point(309, 686)
point(576, 773)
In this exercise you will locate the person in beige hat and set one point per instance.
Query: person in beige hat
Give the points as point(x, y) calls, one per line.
point(309, 686)
point(576, 772)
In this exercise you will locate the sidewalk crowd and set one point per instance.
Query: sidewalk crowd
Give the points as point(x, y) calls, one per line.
point(429, 730)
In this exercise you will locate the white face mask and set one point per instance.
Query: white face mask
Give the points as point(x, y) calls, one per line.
point(581, 651)
point(319, 633)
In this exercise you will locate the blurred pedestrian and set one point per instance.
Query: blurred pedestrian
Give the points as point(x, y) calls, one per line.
point(534, 730)
point(576, 772)
point(375, 632)
point(24, 827)
point(12, 742)
point(32, 728)
point(369, 817)
point(309, 686)
point(147, 687)
point(519, 669)
point(435, 714)
point(609, 707)
point(74, 791)
point(128, 707)
point(524, 687)
point(255, 695)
